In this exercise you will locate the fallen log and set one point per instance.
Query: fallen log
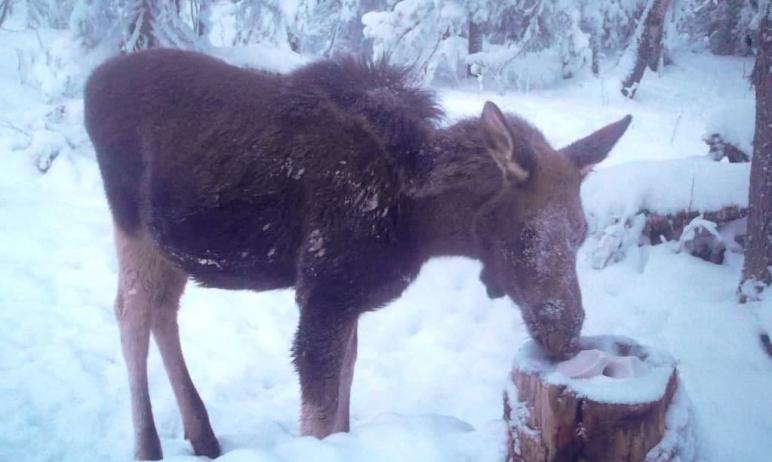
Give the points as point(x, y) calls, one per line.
point(705, 235)
point(718, 148)
point(669, 227)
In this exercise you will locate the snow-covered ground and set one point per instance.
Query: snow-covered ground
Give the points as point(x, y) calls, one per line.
point(432, 366)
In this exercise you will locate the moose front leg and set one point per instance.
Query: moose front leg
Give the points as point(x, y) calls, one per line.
point(342, 423)
point(324, 355)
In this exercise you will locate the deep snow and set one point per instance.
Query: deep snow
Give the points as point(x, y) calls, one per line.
point(431, 367)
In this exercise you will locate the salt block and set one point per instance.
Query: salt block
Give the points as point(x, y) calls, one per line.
point(590, 363)
point(614, 401)
point(624, 367)
point(586, 364)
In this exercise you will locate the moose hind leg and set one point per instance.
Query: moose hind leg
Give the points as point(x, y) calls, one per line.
point(320, 355)
point(166, 333)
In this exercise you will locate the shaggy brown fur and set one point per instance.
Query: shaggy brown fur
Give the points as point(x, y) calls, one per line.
point(334, 180)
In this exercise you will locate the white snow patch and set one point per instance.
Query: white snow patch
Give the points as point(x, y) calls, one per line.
point(614, 194)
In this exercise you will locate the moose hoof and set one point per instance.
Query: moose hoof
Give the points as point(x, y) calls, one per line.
point(149, 450)
point(206, 446)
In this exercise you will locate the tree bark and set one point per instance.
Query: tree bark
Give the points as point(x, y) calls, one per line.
point(595, 47)
point(757, 270)
point(475, 43)
point(202, 19)
point(591, 26)
point(649, 45)
point(5, 7)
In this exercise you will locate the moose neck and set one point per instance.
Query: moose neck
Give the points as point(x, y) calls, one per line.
point(446, 208)
point(442, 226)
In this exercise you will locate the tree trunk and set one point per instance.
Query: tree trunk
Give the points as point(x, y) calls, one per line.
point(595, 47)
point(475, 43)
point(757, 271)
point(552, 418)
point(723, 35)
point(649, 45)
point(5, 7)
point(590, 25)
point(202, 19)
point(140, 34)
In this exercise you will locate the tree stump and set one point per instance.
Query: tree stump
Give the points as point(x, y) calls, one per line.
point(554, 418)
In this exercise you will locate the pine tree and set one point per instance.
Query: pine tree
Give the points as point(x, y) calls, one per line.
point(149, 24)
point(139, 34)
point(728, 28)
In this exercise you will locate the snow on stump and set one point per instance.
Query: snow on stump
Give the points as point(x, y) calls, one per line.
point(615, 401)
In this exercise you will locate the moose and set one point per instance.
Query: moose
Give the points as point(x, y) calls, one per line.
point(338, 180)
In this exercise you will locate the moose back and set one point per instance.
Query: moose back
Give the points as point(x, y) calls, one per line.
point(335, 179)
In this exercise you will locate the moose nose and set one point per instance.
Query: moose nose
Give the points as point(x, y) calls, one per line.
point(556, 327)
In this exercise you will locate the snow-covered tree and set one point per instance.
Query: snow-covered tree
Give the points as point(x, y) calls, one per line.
point(136, 24)
point(48, 13)
point(148, 24)
point(94, 22)
point(515, 43)
point(261, 21)
point(200, 11)
point(648, 45)
point(510, 44)
point(724, 26)
point(314, 27)
point(428, 35)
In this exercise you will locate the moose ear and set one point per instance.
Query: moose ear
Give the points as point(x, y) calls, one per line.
point(501, 144)
point(594, 148)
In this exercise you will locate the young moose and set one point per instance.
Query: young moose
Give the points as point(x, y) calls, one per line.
point(334, 180)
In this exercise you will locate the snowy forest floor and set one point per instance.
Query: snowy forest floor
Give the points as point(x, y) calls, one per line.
point(431, 367)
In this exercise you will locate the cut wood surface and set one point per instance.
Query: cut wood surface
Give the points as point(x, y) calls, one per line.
point(553, 418)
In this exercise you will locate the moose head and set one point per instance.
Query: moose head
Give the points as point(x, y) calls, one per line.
point(522, 201)
point(529, 232)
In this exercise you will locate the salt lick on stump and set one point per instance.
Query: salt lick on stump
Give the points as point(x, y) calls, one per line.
point(615, 401)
